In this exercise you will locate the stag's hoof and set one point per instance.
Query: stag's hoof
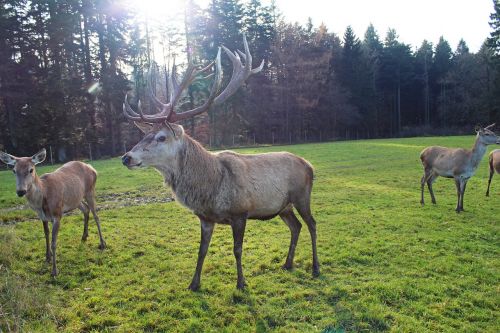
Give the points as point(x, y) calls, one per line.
point(194, 286)
point(315, 272)
point(54, 273)
point(287, 267)
point(84, 237)
point(241, 285)
point(102, 245)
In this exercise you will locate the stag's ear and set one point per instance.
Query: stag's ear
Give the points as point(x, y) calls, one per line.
point(144, 127)
point(478, 128)
point(39, 157)
point(8, 159)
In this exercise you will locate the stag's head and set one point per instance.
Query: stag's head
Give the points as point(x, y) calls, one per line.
point(24, 169)
point(486, 135)
point(163, 137)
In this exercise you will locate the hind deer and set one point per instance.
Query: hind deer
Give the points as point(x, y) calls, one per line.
point(225, 187)
point(457, 163)
point(494, 164)
point(53, 194)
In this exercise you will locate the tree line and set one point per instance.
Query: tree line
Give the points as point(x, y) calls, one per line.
point(66, 65)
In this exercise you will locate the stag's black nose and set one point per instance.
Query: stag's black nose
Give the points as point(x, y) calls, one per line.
point(21, 193)
point(126, 160)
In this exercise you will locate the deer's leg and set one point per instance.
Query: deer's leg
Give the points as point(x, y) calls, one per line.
point(55, 232)
point(294, 224)
point(463, 185)
point(431, 179)
point(457, 184)
point(422, 186)
point(305, 212)
point(48, 253)
point(207, 229)
point(489, 180)
point(90, 198)
point(85, 210)
point(238, 227)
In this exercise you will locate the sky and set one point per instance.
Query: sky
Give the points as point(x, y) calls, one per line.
point(413, 20)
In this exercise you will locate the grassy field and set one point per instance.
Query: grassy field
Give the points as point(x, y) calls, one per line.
point(387, 263)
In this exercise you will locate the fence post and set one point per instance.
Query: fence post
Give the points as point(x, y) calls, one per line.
point(51, 157)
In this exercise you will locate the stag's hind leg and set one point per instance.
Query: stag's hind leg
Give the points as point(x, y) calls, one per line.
point(293, 223)
point(85, 210)
point(90, 198)
point(304, 209)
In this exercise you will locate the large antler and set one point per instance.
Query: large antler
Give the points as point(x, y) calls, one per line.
point(167, 110)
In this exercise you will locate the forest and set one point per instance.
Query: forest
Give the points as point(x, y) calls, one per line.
point(66, 65)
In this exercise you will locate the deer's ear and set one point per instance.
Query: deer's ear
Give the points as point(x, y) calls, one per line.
point(8, 159)
point(144, 127)
point(478, 128)
point(39, 157)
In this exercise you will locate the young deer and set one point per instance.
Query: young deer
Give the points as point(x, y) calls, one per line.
point(494, 164)
point(457, 163)
point(224, 187)
point(53, 194)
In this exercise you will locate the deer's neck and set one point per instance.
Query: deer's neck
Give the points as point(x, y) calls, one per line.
point(193, 176)
point(35, 193)
point(477, 153)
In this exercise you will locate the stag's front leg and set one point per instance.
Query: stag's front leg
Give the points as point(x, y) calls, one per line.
point(238, 227)
point(48, 254)
point(207, 229)
point(55, 232)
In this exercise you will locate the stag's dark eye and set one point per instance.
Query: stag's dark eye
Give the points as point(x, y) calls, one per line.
point(162, 138)
point(31, 170)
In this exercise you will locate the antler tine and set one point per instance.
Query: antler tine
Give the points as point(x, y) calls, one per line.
point(162, 107)
point(213, 92)
point(140, 117)
point(240, 72)
point(128, 112)
point(490, 126)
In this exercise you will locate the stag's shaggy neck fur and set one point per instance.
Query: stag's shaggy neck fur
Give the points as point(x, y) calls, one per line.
point(193, 176)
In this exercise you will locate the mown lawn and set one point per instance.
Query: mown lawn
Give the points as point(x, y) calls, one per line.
point(387, 263)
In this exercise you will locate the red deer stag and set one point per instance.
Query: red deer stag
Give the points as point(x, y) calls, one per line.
point(494, 164)
point(223, 187)
point(457, 163)
point(69, 187)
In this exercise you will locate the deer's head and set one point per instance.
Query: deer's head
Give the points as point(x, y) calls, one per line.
point(24, 169)
point(486, 136)
point(162, 136)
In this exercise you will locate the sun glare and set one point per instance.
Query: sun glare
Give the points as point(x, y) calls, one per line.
point(159, 10)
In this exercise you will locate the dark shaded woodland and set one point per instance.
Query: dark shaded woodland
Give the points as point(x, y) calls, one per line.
point(66, 65)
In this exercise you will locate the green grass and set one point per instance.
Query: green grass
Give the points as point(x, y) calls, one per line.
point(387, 263)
